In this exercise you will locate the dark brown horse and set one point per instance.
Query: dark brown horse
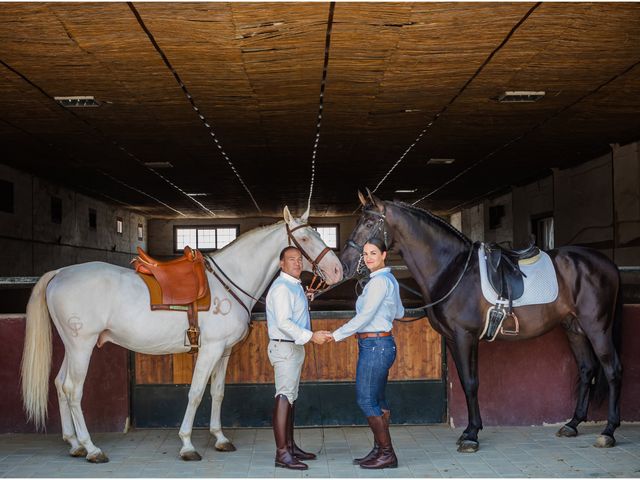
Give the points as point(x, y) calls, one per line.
point(444, 263)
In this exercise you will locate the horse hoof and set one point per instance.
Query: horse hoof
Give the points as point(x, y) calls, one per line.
point(225, 447)
point(99, 458)
point(468, 446)
point(78, 452)
point(567, 431)
point(191, 456)
point(604, 441)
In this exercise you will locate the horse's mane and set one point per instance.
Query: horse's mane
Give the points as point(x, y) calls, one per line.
point(430, 217)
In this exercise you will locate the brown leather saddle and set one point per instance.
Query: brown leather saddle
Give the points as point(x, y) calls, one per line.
point(179, 284)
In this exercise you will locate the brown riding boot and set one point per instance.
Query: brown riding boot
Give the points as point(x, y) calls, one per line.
point(295, 450)
point(386, 415)
point(386, 456)
point(281, 414)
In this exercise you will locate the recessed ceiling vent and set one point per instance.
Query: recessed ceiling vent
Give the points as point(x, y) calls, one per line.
point(158, 164)
point(440, 161)
point(523, 96)
point(78, 101)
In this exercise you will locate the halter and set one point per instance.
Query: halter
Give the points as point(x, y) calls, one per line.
point(315, 264)
point(380, 224)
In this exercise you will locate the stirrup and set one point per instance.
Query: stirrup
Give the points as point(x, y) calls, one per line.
point(192, 339)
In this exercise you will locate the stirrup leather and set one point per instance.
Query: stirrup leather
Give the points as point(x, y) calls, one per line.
point(493, 322)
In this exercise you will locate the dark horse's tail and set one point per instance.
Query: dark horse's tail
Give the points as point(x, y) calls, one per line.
point(600, 389)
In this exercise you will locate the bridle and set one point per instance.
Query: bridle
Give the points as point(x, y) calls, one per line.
point(381, 224)
point(315, 264)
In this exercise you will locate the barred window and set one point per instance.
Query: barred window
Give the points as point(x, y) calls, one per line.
point(204, 238)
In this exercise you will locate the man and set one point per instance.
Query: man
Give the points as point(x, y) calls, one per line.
point(289, 328)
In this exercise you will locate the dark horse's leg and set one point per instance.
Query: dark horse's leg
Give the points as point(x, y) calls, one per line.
point(606, 352)
point(464, 350)
point(587, 367)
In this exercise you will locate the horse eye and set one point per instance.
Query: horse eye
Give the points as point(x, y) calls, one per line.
point(368, 224)
point(304, 239)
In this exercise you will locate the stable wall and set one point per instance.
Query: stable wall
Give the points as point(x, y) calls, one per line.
point(105, 400)
point(596, 204)
point(31, 244)
point(161, 231)
point(532, 382)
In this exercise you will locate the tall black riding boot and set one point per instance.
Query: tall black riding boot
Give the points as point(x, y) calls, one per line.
point(386, 415)
point(295, 450)
point(281, 415)
point(386, 456)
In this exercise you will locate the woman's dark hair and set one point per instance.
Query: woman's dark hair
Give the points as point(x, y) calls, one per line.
point(378, 243)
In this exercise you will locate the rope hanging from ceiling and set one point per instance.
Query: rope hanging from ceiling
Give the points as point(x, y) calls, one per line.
point(201, 116)
point(327, 47)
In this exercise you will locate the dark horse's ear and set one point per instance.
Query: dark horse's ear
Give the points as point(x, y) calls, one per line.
point(375, 200)
point(363, 200)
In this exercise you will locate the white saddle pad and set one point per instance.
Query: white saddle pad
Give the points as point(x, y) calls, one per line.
point(540, 283)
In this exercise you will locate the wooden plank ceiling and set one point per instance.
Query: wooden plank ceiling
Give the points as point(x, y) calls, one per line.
point(404, 82)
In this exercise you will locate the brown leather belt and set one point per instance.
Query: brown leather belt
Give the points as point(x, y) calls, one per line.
point(373, 334)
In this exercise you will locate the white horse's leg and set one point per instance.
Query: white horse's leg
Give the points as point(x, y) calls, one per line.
point(208, 355)
point(68, 430)
point(223, 444)
point(78, 364)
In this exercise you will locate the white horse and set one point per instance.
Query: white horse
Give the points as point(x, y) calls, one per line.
point(94, 303)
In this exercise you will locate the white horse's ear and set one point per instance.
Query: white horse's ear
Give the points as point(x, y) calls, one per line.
point(363, 200)
point(287, 215)
point(305, 215)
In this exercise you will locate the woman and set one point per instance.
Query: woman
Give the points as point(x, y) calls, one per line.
point(376, 308)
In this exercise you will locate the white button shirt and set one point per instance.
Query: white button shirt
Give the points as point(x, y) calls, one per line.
point(377, 306)
point(288, 310)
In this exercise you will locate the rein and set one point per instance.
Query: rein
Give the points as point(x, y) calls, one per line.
point(226, 287)
point(381, 224)
point(315, 264)
point(429, 305)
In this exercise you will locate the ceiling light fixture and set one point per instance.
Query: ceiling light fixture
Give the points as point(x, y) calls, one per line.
point(158, 164)
point(81, 101)
point(440, 161)
point(521, 96)
point(407, 190)
point(199, 195)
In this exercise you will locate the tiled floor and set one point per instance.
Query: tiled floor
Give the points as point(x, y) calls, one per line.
point(423, 451)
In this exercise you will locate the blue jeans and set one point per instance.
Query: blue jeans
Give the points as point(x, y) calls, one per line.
point(375, 358)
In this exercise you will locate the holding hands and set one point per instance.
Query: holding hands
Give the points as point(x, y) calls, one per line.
point(321, 336)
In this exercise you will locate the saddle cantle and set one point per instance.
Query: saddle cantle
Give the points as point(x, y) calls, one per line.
point(182, 280)
point(179, 284)
point(503, 268)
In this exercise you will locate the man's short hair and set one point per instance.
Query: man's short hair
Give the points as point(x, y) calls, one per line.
point(286, 249)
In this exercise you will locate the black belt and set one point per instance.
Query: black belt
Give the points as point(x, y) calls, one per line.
point(282, 340)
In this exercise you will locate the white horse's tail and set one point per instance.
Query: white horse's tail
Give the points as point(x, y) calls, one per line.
point(36, 357)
